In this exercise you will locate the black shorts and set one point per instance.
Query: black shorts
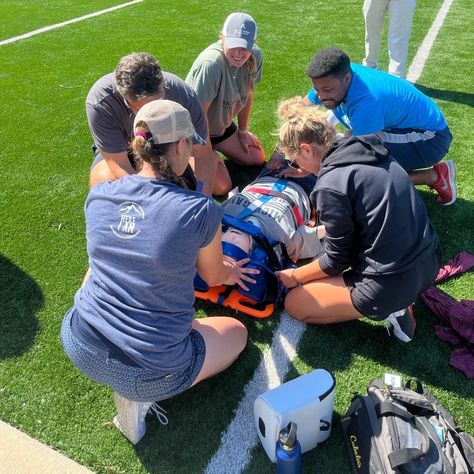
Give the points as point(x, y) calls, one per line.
point(377, 296)
point(228, 132)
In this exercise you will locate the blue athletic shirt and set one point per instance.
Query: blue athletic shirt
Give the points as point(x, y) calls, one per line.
point(143, 237)
point(379, 101)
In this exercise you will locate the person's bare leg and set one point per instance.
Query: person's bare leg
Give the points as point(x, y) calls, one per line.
point(428, 177)
point(223, 182)
point(225, 339)
point(324, 301)
point(232, 148)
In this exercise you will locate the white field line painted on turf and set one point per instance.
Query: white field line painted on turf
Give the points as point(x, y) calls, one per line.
point(418, 63)
point(240, 437)
point(64, 23)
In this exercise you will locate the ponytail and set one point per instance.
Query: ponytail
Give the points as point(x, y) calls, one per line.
point(144, 150)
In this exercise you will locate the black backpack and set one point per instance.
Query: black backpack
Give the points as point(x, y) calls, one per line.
point(404, 430)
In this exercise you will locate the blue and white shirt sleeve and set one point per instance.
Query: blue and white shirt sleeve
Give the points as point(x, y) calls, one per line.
point(312, 97)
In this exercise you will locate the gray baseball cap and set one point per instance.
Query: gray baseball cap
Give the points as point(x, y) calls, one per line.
point(240, 31)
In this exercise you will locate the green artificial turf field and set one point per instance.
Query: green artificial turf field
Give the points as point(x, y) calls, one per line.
point(45, 157)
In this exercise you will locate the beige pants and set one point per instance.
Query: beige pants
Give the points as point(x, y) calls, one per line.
point(399, 31)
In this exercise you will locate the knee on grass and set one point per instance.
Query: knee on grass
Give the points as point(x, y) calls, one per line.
point(240, 336)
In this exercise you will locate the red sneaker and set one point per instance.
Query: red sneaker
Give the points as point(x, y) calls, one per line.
point(445, 185)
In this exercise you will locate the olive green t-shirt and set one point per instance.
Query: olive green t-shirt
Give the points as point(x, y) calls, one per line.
point(222, 86)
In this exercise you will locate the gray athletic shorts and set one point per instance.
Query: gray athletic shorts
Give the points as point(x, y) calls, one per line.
point(377, 296)
point(132, 382)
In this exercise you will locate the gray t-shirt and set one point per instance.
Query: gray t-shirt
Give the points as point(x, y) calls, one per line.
point(223, 87)
point(111, 119)
point(276, 218)
point(143, 237)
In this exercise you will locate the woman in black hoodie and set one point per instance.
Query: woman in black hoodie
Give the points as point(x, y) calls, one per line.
point(380, 249)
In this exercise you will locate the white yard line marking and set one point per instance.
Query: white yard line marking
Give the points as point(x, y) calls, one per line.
point(64, 23)
point(240, 437)
point(418, 63)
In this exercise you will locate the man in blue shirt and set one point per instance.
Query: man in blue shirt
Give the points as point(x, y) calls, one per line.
point(410, 124)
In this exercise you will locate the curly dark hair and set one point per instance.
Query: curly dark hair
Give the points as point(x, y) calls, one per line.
point(329, 62)
point(139, 75)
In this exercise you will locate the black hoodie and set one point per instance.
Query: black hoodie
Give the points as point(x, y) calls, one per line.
point(376, 222)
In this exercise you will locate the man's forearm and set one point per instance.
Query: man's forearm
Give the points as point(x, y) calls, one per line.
point(118, 163)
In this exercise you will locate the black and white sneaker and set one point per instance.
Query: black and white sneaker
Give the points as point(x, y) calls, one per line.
point(403, 323)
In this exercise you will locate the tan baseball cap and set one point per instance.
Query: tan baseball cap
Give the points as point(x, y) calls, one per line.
point(168, 122)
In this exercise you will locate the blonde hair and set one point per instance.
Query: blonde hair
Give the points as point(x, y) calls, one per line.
point(286, 107)
point(251, 68)
point(144, 150)
point(301, 123)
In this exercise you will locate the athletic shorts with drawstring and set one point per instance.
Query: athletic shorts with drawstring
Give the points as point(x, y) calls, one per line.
point(416, 149)
point(377, 296)
point(132, 382)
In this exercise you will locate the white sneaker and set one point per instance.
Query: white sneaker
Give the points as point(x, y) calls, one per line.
point(403, 323)
point(130, 418)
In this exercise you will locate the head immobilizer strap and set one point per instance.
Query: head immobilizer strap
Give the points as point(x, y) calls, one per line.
point(262, 295)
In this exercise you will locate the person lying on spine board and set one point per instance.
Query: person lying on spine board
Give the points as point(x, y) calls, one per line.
point(278, 203)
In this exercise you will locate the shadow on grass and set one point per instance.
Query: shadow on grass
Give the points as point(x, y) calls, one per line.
point(446, 95)
point(20, 299)
point(452, 224)
point(199, 416)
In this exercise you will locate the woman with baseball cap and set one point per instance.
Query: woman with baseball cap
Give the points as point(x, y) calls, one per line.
point(132, 325)
point(224, 77)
